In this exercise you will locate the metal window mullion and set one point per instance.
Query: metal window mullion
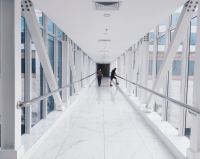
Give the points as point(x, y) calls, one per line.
point(28, 79)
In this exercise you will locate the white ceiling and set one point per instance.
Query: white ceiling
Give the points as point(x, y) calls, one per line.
point(85, 26)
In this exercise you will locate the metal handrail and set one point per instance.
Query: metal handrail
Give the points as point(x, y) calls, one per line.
point(191, 109)
point(28, 103)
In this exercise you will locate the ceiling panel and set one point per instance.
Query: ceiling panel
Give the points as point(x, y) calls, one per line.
point(85, 25)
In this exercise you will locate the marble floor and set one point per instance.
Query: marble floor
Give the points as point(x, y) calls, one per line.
point(103, 125)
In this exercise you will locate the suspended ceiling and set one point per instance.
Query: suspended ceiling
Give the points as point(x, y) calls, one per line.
point(86, 25)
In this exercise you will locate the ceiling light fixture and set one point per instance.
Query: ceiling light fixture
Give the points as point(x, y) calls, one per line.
point(106, 15)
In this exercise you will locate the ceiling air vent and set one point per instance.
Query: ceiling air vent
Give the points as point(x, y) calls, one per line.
point(104, 40)
point(106, 5)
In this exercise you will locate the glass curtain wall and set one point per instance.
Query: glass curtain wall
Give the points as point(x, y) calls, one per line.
point(37, 86)
point(160, 53)
point(174, 87)
point(150, 70)
point(39, 15)
point(22, 73)
point(162, 27)
point(159, 59)
point(50, 100)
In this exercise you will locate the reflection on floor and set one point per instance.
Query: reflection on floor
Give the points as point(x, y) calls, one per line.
point(103, 125)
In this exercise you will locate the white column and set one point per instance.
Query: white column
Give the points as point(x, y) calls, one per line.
point(144, 68)
point(10, 79)
point(28, 79)
point(65, 68)
point(194, 151)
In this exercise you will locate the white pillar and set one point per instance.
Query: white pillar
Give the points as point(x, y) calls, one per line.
point(10, 79)
point(144, 68)
point(65, 68)
point(194, 151)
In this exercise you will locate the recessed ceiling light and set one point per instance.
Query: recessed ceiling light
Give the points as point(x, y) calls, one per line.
point(106, 15)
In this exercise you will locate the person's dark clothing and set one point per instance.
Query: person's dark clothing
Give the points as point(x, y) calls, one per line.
point(99, 81)
point(99, 77)
point(113, 74)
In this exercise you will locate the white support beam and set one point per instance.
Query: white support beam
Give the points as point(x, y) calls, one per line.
point(178, 36)
point(194, 151)
point(34, 29)
point(72, 65)
point(10, 79)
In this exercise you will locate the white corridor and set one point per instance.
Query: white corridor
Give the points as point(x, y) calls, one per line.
point(103, 125)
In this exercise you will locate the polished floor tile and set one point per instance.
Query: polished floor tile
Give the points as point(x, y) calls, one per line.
point(103, 125)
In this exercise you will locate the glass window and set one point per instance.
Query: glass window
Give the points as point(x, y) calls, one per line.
point(174, 89)
point(60, 66)
point(39, 15)
point(74, 57)
point(191, 63)
point(50, 25)
point(151, 35)
point(37, 87)
point(150, 71)
point(160, 53)
point(50, 100)
point(59, 33)
point(162, 27)
point(175, 16)
point(71, 81)
point(133, 59)
point(22, 73)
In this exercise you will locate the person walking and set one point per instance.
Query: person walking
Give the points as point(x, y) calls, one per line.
point(99, 77)
point(113, 74)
